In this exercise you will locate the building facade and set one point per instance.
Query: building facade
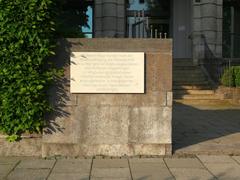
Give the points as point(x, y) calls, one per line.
point(194, 25)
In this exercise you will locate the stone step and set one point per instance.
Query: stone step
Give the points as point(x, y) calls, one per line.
point(189, 76)
point(192, 83)
point(197, 97)
point(187, 72)
point(183, 63)
point(185, 68)
point(191, 87)
point(209, 102)
point(193, 92)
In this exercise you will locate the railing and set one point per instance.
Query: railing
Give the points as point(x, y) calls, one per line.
point(140, 27)
point(213, 65)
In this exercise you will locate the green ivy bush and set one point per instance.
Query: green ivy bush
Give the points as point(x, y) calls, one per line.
point(26, 41)
point(231, 77)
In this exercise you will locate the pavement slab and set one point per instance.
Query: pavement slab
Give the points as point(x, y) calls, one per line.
point(215, 159)
point(36, 164)
point(29, 174)
point(152, 175)
point(149, 169)
point(184, 163)
point(9, 160)
point(191, 174)
point(72, 166)
point(110, 169)
point(228, 171)
point(110, 163)
point(202, 167)
point(69, 176)
point(5, 169)
point(236, 158)
point(111, 173)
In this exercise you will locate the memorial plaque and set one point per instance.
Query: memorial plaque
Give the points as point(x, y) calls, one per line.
point(107, 72)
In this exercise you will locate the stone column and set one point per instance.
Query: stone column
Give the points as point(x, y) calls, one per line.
point(109, 18)
point(207, 21)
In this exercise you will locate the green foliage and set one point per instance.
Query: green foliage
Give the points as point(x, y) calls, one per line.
point(231, 77)
point(71, 16)
point(26, 40)
point(237, 76)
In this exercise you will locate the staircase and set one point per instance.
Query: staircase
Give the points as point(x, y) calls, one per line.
point(191, 86)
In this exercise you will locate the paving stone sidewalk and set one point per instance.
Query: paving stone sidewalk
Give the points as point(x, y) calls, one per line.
point(189, 168)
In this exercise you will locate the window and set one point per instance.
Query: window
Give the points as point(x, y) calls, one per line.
point(231, 28)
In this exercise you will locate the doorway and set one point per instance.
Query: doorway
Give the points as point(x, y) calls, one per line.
point(182, 28)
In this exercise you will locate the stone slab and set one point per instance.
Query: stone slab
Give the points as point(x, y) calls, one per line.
point(224, 170)
point(159, 175)
point(70, 176)
point(183, 163)
point(110, 173)
point(5, 169)
point(215, 159)
point(25, 147)
point(29, 174)
point(107, 72)
point(72, 166)
point(188, 173)
point(149, 168)
point(36, 164)
point(111, 178)
point(118, 45)
point(236, 158)
point(150, 125)
point(146, 160)
point(9, 160)
point(110, 163)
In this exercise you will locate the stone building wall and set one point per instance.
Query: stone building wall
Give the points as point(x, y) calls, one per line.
point(113, 124)
point(109, 18)
point(207, 21)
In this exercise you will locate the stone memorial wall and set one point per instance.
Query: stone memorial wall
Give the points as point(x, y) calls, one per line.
point(131, 116)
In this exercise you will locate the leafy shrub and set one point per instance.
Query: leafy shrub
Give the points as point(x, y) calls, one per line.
point(228, 77)
point(237, 76)
point(26, 40)
point(231, 77)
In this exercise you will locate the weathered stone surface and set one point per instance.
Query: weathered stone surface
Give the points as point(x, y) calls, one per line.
point(36, 164)
point(103, 124)
point(111, 173)
point(183, 163)
point(74, 150)
point(215, 159)
point(5, 169)
point(25, 147)
point(70, 176)
point(117, 45)
point(150, 125)
point(224, 170)
point(236, 158)
point(9, 160)
point(149, 168)
point(114, 124)
point(146, 160)
point(110, 163)
point(186, 173)
point(29, 174)
point(72, 166)
point(156, 175)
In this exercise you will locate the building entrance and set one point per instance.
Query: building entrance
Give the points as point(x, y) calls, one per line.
point(148, 19)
